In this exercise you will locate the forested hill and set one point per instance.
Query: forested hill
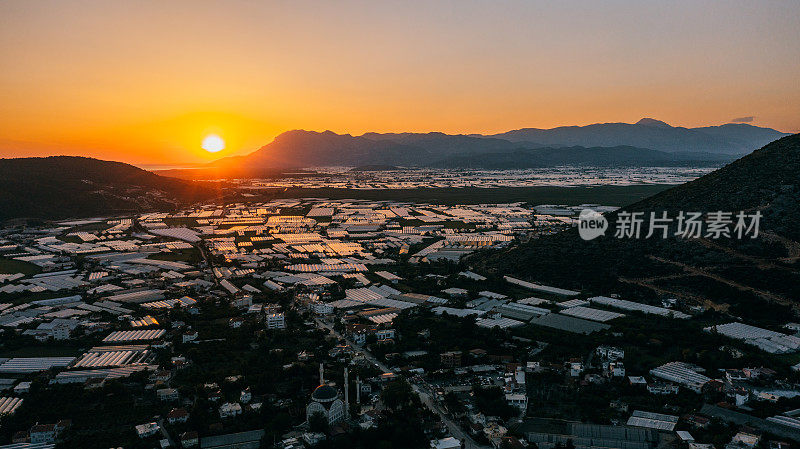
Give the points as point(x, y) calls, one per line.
point(759, 276)
point(67, 186)
point(768, 179)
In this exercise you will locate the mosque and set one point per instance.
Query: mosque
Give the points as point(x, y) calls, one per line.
point(325, 400)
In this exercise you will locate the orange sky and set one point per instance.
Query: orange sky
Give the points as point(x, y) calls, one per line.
point(145, 81)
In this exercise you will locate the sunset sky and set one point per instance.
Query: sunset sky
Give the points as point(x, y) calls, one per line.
point(146, 81)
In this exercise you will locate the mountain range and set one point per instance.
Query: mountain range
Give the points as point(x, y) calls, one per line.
point(65, 186)
point(646, 142)
point(732, 138)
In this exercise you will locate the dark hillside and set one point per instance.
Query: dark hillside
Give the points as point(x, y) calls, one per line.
point(721, 273)
point(66, 186)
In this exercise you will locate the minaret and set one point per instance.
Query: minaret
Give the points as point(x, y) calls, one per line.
point(321, 375)
point(358, 390)
point(346, 395)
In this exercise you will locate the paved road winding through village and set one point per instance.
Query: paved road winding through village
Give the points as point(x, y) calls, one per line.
point(425, 396)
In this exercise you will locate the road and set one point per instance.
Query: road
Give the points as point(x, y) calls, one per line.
point(424, 394)
point(164, 433)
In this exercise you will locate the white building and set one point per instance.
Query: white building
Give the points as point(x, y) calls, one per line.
point(230, 409)
point(446, 443)
point(575, 369)
point(167, 394)
point(321, 308)
point(616, 369)
point(518, 400)
point(682, 374)
point(146, 430)
point(610, 353)
point(242, 301)
point(662, 388)
point(384, 334)
point(236, 322)
point(246, 396)
point(61, 331)
point(189, 336)
point(276, 321)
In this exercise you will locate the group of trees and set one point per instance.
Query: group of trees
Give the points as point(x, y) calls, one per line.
point(491, 401)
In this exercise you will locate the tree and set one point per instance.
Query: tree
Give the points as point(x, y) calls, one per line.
point(397, 394)
point(492, 402)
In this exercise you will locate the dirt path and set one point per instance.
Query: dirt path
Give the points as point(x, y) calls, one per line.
point(792, 247)
point(698, 272)
point(648, 283)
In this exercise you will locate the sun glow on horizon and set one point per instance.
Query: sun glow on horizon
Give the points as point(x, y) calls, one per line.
point(213, 143)
point(153, 92)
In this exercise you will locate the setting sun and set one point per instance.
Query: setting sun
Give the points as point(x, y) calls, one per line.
point(213, 143)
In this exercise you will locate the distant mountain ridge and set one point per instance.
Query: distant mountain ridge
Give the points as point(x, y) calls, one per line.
point(300, 148)
point(732, 138)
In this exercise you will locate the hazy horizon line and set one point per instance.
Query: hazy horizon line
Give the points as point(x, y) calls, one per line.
point(39, 149)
